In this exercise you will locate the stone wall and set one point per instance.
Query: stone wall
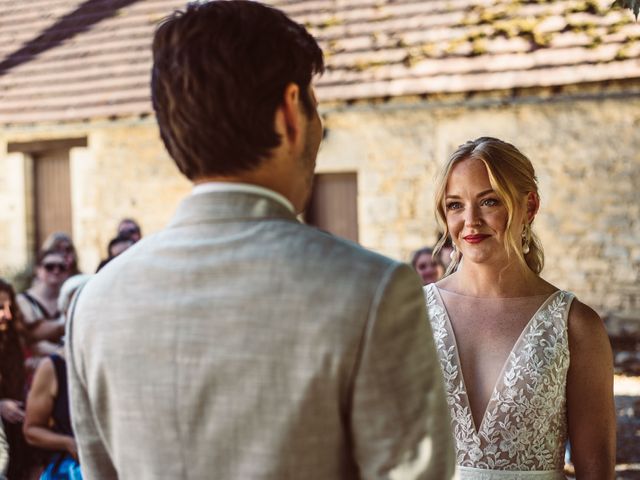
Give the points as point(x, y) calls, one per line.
point(123, 171)
point(586, 153)
point(134, 177)
point(14, 189)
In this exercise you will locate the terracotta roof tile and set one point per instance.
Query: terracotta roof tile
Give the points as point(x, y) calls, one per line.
point(75, 60)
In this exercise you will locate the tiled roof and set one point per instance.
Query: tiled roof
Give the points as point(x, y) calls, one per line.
point(70, 60)
point(405, 47)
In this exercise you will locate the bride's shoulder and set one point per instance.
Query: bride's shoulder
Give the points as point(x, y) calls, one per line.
point(584, 323)
point(582, 315)
point(586, 329)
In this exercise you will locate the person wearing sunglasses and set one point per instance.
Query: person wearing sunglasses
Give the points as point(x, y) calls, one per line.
point(43, 324)
point(62, 243)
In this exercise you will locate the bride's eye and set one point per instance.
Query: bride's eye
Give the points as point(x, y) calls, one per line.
point(454, 205)
point(490, 202)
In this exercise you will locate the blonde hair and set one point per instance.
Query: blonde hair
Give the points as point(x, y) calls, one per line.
point(512, 176)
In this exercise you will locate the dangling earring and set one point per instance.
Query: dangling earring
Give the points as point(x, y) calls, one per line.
point(526, 238)
point(454, 253)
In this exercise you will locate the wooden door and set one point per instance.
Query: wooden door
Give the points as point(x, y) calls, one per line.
point(52, 193)
point(334, 204)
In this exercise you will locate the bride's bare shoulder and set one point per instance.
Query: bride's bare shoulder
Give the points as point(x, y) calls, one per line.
point(584, 321)
point(588, 337)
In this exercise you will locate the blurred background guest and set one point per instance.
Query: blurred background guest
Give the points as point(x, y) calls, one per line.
point(48, 423)
point(428, 266)
point(39, 306)
point(61, 242)
point(116, 246)
point(12, 385)
point(129, 228)
point(4, 453)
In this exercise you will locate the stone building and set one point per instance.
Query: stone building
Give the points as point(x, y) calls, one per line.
point(407, 82)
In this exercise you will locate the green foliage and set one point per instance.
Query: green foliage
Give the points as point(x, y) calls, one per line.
point(630, 4)
point(20, 278)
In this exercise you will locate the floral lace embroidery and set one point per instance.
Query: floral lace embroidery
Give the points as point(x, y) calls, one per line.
point(525, 426)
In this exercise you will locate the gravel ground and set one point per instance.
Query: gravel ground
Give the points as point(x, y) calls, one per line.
point(627, 397)
point(627, 391)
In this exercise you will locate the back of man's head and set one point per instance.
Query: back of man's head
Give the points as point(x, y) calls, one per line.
point(220, 71)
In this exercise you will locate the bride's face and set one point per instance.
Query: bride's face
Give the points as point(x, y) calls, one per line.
point(476, 217)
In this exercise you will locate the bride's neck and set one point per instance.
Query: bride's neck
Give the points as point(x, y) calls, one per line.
point(482, 280)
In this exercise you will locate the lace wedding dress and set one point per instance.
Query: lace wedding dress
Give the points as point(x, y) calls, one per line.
point(523, 432)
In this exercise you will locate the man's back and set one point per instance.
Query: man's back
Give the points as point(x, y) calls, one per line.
point(240, 344)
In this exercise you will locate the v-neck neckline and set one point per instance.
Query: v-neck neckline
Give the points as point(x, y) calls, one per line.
point(477, 430)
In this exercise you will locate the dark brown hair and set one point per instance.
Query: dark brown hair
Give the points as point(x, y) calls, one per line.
point(425, 251)
point(12, 373)
point(219, 72)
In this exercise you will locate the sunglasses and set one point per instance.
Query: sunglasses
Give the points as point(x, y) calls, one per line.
point(51, 267)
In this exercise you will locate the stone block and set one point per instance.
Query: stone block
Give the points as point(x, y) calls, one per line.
point(624, 325)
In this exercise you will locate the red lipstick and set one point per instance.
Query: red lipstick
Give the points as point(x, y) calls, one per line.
point(475, 238)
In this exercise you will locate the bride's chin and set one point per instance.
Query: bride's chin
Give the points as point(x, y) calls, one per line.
point(481, 257)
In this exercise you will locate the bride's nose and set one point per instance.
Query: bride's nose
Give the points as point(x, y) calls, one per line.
point(472, 216)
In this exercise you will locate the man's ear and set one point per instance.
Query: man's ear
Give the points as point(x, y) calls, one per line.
point(288, 113)
point(533, 204)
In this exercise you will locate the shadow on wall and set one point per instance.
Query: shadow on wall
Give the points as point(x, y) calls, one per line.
point(81, 19)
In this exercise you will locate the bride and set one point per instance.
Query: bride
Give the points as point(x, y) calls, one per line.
point(527, 366)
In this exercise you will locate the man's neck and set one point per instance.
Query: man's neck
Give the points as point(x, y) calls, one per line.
point(211, 187)
point(268, 175)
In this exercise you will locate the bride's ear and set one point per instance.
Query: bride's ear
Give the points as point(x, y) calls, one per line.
point(533, 204)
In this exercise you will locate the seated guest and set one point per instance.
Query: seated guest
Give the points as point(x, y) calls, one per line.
point(47, 423)
point(428, 266)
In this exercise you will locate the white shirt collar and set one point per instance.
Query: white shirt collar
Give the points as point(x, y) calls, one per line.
point(241, 187)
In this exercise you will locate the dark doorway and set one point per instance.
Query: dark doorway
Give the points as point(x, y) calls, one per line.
point(334, 204)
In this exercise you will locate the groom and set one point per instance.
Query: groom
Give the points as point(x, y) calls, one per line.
point(238, 343)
